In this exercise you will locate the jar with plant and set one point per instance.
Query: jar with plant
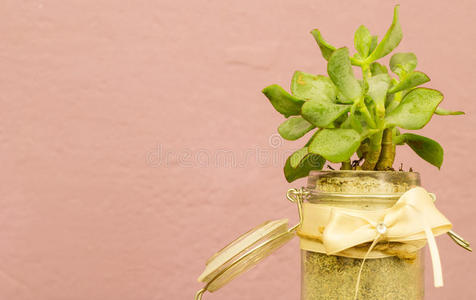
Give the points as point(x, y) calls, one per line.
point(362, 228)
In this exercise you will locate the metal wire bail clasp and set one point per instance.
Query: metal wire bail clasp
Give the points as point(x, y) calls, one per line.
point(199, 294)
point(459, 240)
point(297, 196)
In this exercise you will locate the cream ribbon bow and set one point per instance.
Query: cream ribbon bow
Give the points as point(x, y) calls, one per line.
point(413, 219)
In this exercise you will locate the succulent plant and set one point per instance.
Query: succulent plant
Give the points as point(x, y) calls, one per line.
point(358, 116)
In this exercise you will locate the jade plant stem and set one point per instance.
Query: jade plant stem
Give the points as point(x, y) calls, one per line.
point(375, 147)
point(387, 155)
point(346, 165)
point(373, 154)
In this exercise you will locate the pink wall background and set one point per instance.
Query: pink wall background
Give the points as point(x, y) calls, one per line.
point(118, 122)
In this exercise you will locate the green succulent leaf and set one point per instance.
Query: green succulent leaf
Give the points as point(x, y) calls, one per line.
point(373, 44)
point(362, 41)
point(346, 123)
point(415, 109)
point(376, 68)
point(410, 81)
point(340, 71)
point(444, 112)
point(342, 99)
point(338, 122)
point(335, 145)
point(307, 163)
point(313, 87)
point(322, 114)
point(294, 128)
point(282, 101)
point(355, 121)
point(378, 87)
point(402, 63)
point(390, 41)
point(426, 148)
point(326, 48)
point(296, 158)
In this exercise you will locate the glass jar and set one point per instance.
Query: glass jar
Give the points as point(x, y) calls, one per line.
point(330, 277)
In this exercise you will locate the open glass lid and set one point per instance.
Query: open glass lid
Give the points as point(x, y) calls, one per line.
point(248, 250)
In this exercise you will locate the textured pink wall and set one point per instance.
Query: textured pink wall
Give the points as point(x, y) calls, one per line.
point(117, 120)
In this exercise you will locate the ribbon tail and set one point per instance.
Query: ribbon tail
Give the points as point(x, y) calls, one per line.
point(435, 258)
point(357, 285)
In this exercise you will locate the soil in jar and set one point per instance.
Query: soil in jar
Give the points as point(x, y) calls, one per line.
point(330, 277)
